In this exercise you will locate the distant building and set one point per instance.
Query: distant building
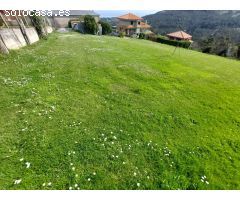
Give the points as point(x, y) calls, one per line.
point(131, 24)
point(179, 35)
point(77, 15)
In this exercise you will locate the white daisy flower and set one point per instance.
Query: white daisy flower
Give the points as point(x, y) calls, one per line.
point(21, 159)
point(70, 188)
point(76, 175)
point(135, 174)
point(44, 184)
point(89, 179)
point(124, 163)
point(207, 182)
point(73, 168)
point(16, 182)
point(49, 184)
point(94, 173)
point(71, 164)
point(76, 185)
point(28, 164)
point(138, 184)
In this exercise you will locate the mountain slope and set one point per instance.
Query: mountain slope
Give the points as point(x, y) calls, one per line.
point(198, 23)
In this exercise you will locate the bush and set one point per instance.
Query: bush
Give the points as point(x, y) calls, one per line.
point(106, 28)
point(37, 22)
point(121, 34)
point(152, 37)
point(165, 40)
point(69, 24)
point(142, 36)
point(238, 52)
point(90, 25)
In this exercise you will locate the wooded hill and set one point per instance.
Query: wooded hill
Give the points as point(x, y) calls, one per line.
point(216, 32)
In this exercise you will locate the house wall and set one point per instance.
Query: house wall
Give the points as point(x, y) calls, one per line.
point(127, 23)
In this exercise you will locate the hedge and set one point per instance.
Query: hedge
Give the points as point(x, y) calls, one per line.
point(165, 40)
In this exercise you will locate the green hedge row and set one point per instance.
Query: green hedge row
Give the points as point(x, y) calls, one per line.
point(165, 40)
point(184, 44)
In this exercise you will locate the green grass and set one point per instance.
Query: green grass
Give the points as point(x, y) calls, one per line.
point(112, 113)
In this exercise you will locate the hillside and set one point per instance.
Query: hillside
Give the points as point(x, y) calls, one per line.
point(90, 112)
point(198, 23)
point(215, 32)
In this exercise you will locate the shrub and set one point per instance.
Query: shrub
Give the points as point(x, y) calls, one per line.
point(165, 40)
point(106, 28)
point(90, 25)
point(69, 24)
point(152, 37)
point(142, 36)
point(238, 52)
point(37, 22)
point(121, 34)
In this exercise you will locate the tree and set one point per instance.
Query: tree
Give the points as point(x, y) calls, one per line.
point(90, 25)
point(106, 27)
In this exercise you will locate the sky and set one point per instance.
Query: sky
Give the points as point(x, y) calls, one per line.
point(116, 13)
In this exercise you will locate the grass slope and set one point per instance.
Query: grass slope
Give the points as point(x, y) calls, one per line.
point(111, 113)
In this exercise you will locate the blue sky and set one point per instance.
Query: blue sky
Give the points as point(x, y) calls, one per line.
point(116, 13)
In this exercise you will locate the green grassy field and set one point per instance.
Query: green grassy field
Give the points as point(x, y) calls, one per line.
point(89, 112)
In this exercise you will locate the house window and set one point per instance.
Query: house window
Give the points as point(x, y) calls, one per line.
point(131, 22)
point(138, 23)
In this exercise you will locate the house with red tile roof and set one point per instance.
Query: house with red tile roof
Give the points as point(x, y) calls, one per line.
point(179, 35)
point(131, 24)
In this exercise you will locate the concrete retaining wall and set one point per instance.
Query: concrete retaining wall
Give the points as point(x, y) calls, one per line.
point(20, 37)
point(14, 38)
point(10, 39)
point(32, 35)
